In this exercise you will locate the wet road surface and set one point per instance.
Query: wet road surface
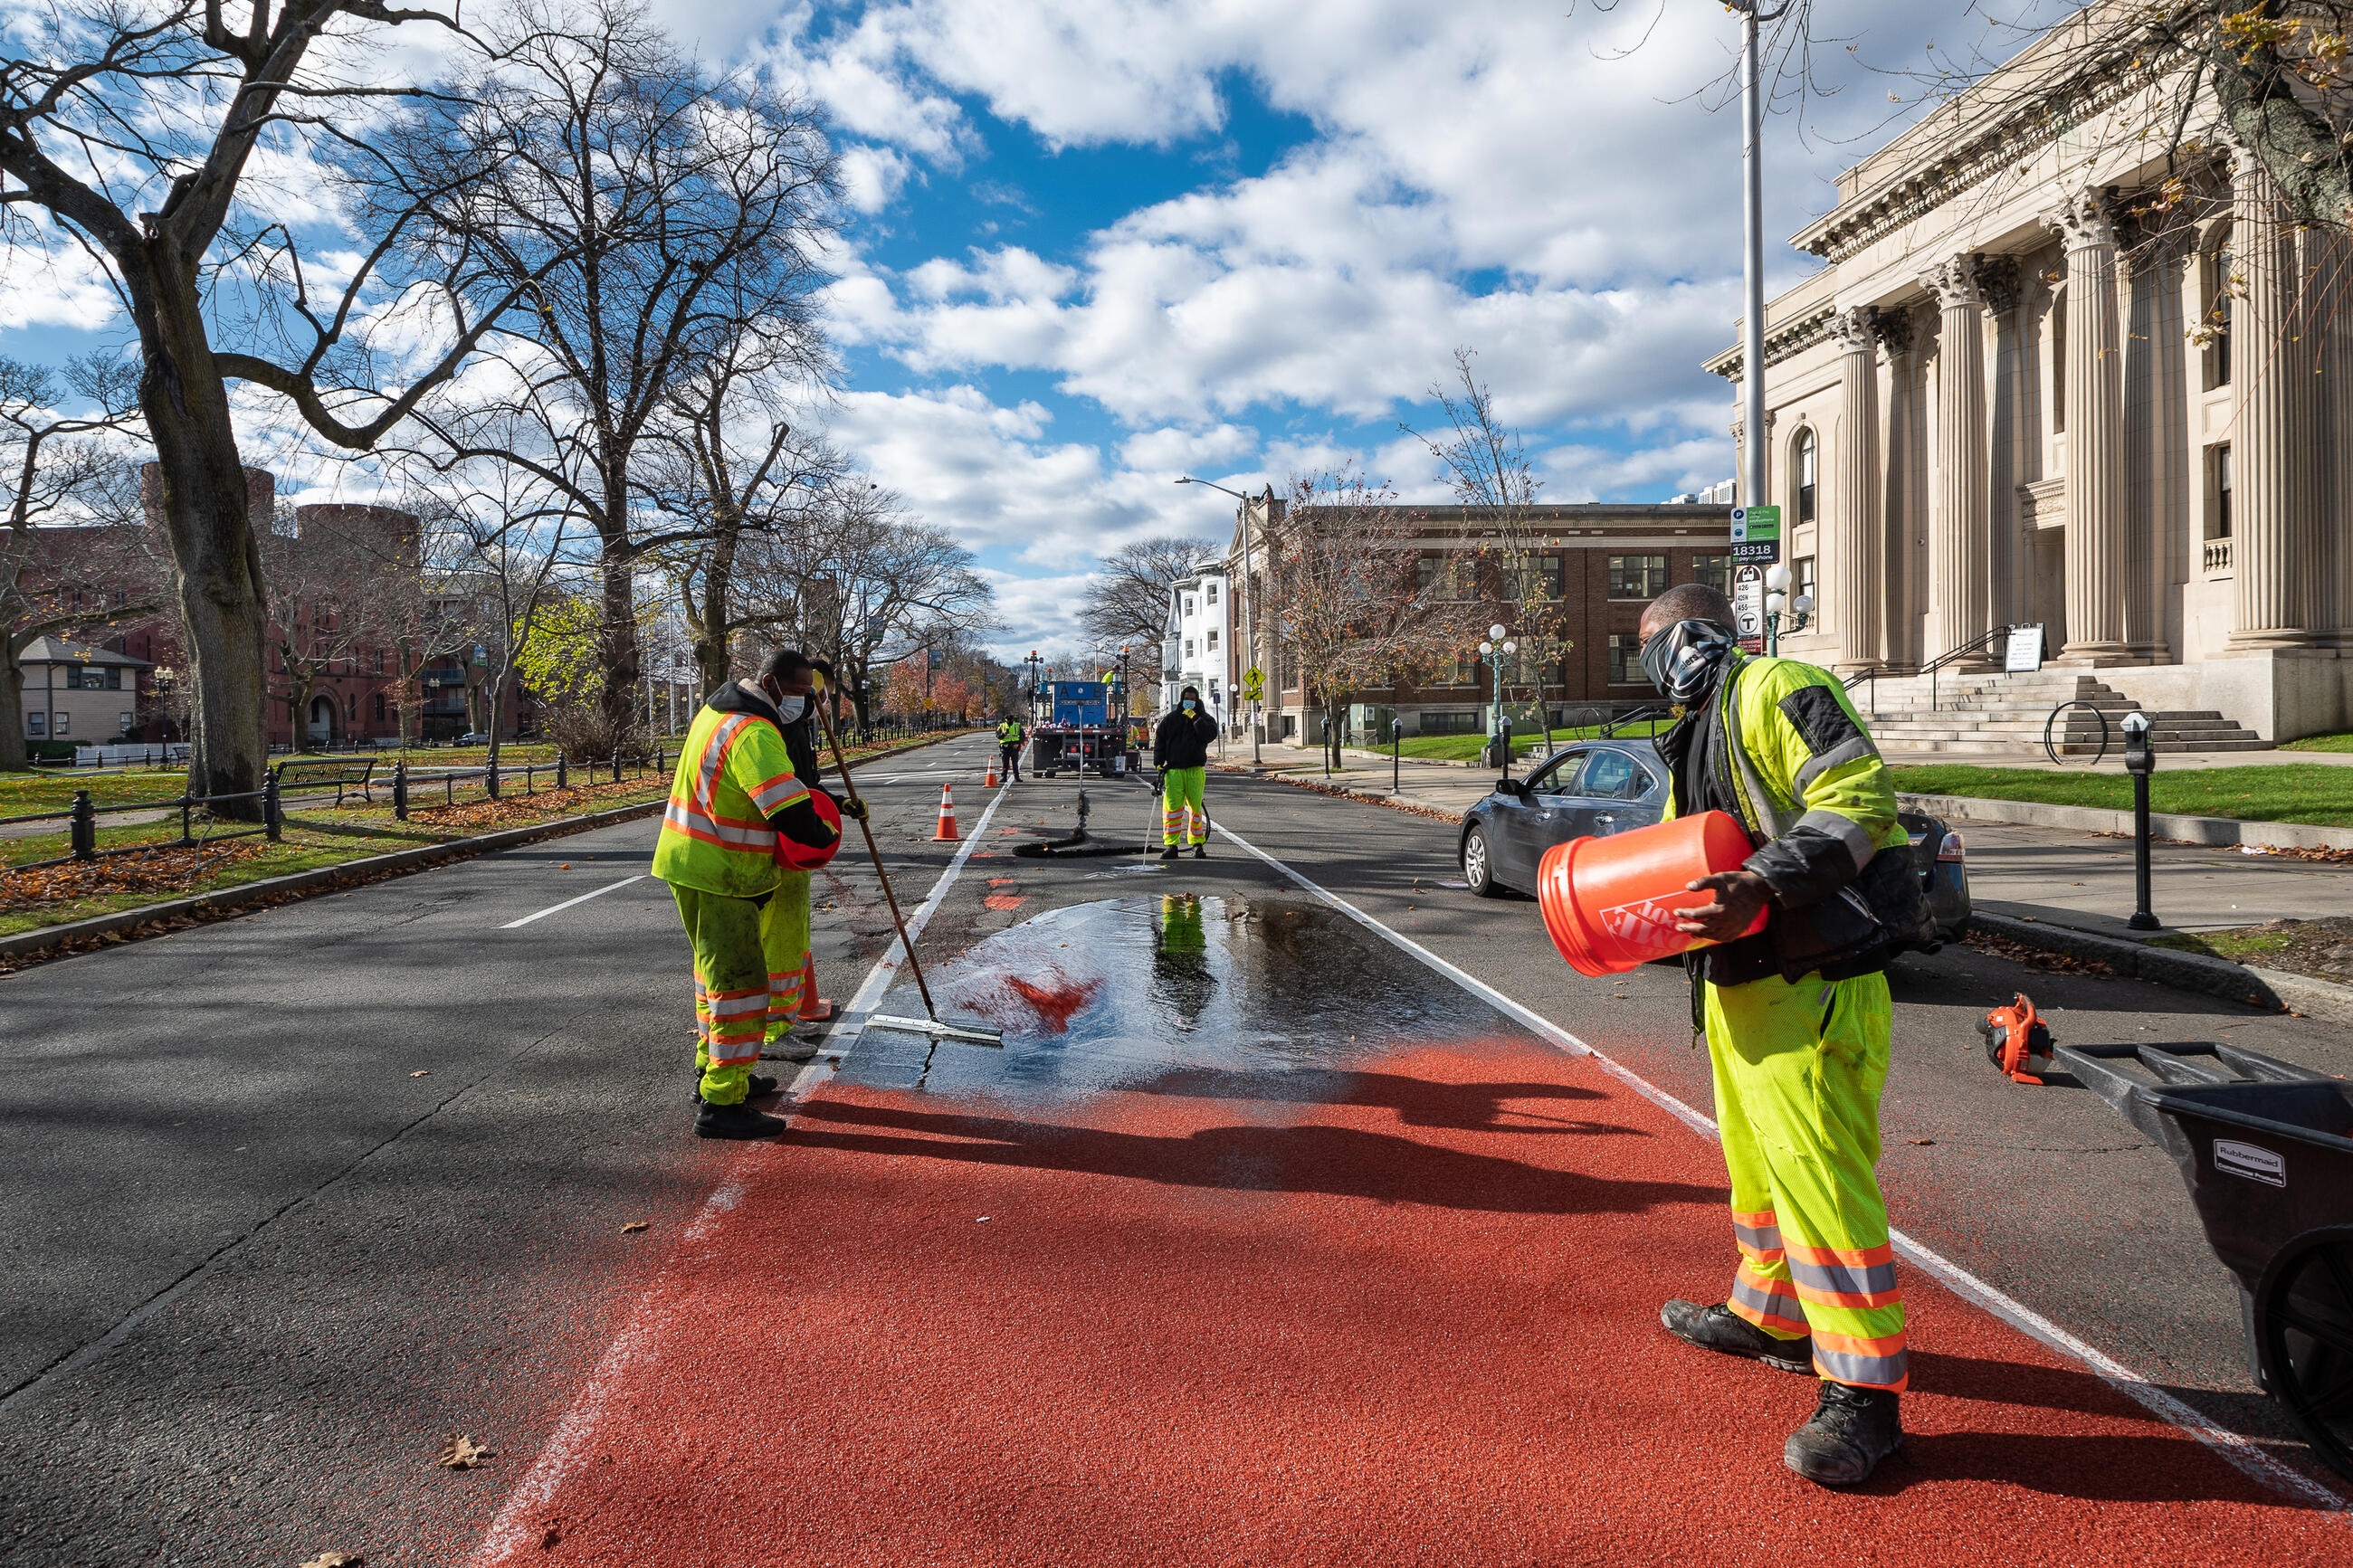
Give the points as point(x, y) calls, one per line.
point(1259, 1243)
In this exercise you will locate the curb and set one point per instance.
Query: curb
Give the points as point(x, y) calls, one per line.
point(1338, 792)
point(2164, 965)
point(2215, 832)
point(323, 878)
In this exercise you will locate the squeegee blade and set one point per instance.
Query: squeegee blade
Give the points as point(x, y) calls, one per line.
point(992, 1037)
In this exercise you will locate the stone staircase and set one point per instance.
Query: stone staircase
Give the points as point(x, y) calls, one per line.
point(1993, 716)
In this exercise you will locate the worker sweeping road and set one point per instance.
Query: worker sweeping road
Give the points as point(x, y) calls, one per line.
point(1796, 1017)
point(736, 789)
point(1009, 736)
point(1180, 749)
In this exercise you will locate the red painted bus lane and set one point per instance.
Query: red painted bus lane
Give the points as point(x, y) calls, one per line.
point(1400, 1314)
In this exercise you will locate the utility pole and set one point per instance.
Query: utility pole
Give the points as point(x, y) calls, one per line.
point(1249, 606)
point(1752, 225)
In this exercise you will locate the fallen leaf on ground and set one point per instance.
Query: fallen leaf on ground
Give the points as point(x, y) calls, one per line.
point(336, 1560)
point(1922, 1143)
point(422, 1072)
point(462, 1452)
point(566, 867)
point(635, 1226)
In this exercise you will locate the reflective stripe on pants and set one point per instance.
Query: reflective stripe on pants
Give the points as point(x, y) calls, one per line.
point(743, 998)
point(1798, 1070)
point(1182, 813)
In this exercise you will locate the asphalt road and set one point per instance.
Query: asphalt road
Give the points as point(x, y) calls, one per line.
point(258, 1269)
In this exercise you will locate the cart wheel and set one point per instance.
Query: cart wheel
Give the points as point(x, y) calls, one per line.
point(2304, 1332)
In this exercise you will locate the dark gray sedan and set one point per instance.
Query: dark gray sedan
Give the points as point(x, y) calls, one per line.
point(1598, 787)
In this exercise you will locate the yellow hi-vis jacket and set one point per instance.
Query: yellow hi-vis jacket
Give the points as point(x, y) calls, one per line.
point(732, 776)
point(1009, 733)
point(1792, 759)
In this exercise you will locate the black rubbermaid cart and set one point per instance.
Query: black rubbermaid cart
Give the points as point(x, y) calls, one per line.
point(2266, 1149)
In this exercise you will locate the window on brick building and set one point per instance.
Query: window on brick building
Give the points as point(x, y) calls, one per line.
point(1714, 571)
point(1538, 577)
point(379, 706)
point(1626, 659)
point(1637, 576)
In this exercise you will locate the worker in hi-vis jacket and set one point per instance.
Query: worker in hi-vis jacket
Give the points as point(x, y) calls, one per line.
point(1797, 1017)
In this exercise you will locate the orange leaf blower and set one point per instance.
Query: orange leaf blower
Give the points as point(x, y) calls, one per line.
point(2017, 1040)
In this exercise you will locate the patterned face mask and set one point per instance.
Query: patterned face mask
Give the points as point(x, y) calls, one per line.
point(1681, 660)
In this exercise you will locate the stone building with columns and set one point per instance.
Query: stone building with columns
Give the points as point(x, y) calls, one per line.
point(2054, 373)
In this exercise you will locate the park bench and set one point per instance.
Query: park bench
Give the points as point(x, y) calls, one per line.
point(317, 772)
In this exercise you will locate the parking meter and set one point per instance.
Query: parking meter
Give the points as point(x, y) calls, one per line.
point(1397, 749)
point(1504, 748)
point(2140, 760)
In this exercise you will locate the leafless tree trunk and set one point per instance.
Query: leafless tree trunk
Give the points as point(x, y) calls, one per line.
point(135, 129)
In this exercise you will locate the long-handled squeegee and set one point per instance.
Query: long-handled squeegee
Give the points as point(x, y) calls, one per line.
point(930, 1024)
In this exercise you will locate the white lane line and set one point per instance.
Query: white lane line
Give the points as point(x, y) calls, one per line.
point(558, 909)
point(2241, 1451)
point(515, 1532)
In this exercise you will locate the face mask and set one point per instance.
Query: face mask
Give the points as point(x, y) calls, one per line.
point(1188, 705)
point(791, 708)
point(1681, 660)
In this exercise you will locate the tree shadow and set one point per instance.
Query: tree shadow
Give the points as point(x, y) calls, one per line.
point(1419, 1102)
point(1344, 1161)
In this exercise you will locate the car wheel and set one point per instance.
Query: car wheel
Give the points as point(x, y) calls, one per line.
point(1479, 865)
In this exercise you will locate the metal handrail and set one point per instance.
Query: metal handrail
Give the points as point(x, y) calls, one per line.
point(2052, 751)
point(1983, 639)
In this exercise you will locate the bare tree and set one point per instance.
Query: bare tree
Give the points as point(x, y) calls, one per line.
point(136, 131)
point(1126, 601)
point(1356, 612)
point(869, 587)
point(730, 468)
point(57, 465)
point(1487, 468)
point(650, 211)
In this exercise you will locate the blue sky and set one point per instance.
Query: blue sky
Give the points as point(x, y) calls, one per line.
point(1100, 243)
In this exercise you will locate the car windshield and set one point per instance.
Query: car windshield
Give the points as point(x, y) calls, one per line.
point(1558, 776)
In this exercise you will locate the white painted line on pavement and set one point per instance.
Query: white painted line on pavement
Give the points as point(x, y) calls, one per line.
point(514, 1533)
point(2239, 1451)
point(558, 909)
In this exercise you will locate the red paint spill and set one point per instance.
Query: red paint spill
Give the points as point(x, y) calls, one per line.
point(1005, 901)
point(1212, 1321)
point(1053, 1004)
point(1001, 881)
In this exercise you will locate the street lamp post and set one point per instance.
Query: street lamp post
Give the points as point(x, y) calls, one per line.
point(1752, 228)
point(1779, 607)
point(1249, 614)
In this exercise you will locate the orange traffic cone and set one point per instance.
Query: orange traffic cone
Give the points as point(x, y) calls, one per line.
point(815, 1009)
point(990, 782)
point(947, 833)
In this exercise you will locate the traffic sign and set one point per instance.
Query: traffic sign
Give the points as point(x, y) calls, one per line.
point(1748, 606)
point(1253, 684)
point(1756, 535)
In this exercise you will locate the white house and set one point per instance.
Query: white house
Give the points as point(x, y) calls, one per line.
point(1198, 641)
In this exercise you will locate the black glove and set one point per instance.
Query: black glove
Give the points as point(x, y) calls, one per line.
point(854, 809)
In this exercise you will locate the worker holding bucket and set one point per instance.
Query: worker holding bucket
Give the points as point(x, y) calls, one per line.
point(1804, 891)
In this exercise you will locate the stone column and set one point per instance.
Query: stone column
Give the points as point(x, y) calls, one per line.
point(2334, 268)
point(1851, 565)
point(1998, 284)
point(2275, 562)
point(1959, 546)
point(2096, 543)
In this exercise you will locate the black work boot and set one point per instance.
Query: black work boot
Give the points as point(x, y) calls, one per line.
point(738, 1121)
point(759, 1086)
point(1201, 852)
point(1169, 853)
point(1850, 1431)
point(1719, 1328)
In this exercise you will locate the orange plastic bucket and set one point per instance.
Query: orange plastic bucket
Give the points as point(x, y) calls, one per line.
point(1610, 904)
point(795, 857)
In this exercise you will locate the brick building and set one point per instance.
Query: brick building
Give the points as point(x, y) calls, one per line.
point(1601, 561)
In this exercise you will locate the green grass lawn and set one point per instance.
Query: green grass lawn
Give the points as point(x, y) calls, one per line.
point(324, 836)
point(2320, 743)
point(2311, 793)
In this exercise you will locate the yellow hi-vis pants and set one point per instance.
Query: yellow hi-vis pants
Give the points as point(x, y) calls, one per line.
point(1181, 792)
point(1798, 1074)
point(749, 956)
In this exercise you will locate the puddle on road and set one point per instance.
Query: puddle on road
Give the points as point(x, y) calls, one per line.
point(1099, 995)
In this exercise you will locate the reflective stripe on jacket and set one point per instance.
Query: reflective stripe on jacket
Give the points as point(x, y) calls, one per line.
point(733, 775)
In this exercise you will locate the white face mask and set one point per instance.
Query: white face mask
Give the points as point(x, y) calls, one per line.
point(788, 709)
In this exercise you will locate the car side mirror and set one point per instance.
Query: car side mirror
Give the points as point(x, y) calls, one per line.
point(1516, 788)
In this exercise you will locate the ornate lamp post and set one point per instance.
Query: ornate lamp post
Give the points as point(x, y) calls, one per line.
point(1780, 609)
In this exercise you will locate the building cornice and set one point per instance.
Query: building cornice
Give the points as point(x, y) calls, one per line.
point(1791, 338)
point(2128, 61)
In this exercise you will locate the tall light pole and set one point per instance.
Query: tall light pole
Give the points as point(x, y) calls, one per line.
point(1250, 614)
point(1751, 226)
